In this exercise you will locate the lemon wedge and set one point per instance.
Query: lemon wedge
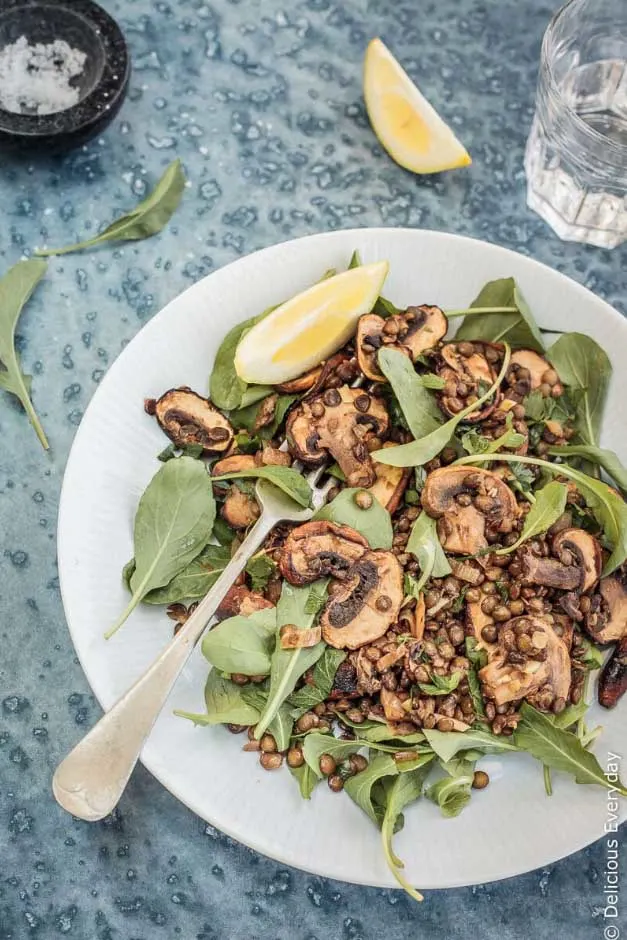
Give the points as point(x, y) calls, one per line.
point(310, 327)
point(407, 126)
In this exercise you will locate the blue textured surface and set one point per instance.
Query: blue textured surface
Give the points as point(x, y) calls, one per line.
point(262, 102)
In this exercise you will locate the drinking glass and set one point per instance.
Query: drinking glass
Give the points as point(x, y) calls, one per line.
point(576, 157)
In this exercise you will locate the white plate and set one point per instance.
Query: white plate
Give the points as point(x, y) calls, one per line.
point(509, 828)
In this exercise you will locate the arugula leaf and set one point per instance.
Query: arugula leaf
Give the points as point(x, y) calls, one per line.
point(452, 793)
point(374, 523)
point(148, 218)
point(606, 459)
point(171, 452)
point(242, 644)
point(192, 583)
point(441, 685)
point(287, 479)
point(288, 666)
point(418, 405)
point(608, 507)
point(247, 417)
point(478, 657)
point(173, 524)
point(424, 545)
point(317, 599)
point(306, 779)
point(421, 451)
point(225, 704)
point(316, 744)
point(519, 329)
point(447, 744)
point(474, 687)
point(260, 569)
point(559, 749)
point(226, 389)
point(474, 443)
point(16, 288)
point(549, 506)
point(323, 675)
point(362, 787)
point(281, 727)
point(377, 732)
point(570, 716)
point(584, 367)
point(593, 657)
point(405, 789)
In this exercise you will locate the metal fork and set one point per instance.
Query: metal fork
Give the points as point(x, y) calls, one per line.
point(90, 781)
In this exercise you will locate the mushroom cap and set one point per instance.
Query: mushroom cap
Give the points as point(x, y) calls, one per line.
point(534, 362)
point(188, 418)
point(339, 421)
point(239, 509)
point(366, 604)
point(234, 464)
point(301, 384)
point(318, 549)
point(241, 600)
point(504, 681)
point(548, 572)
point(611, 624)
point(586, 550)
point(462, 528)
point(417, 330)
point(390, 483)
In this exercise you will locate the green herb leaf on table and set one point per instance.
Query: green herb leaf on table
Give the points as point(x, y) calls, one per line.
point(424, 545)
point(374, 523)
point(420, 451)
point(447, 744)
point(225, 704)
point(549, 506)
point(585, 368)
point(306, 779)
point(148, 218)
point(173, 524)
point(418, 405)
point(559, 749)
point(441, 685)
point(606, 459)
point(16, 288)
point(242, 644)
point(519, 329)
point(287, 666)
point(290, 481)
point(404, 789)
point(363, 787)
point(317, 744)
point(312, 694)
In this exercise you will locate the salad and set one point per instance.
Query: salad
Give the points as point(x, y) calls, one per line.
point(454, 596)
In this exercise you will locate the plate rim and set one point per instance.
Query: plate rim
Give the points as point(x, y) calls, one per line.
point(65, 502)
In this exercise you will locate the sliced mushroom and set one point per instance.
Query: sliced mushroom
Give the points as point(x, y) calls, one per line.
point(318, 549)
point(606, 620)
point(476, 620)
point(390, 483)
point(415, 331)
point(241, 600)
point(239, 509)
point(294, 638)
point(462, 529)
point(367, 604)
point(339, 369)
point(234, 464)
point(265, 412)
point(345, 681)
point(340, 422)
point(188, 418)
point(548, 572)
point(467, 371)
point(302, 384)
point(418, 621)
point(613, 678)
point(526, 370)
point(579, 547)
point(392, 706)
point(272, 457)
point(506, 681)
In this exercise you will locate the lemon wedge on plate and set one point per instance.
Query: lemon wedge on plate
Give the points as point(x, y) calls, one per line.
point(310, 327)
point(407, 126)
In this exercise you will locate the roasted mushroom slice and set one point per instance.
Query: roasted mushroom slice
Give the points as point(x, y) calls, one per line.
point(239, 509)
point(241, 600)
point(468, 504)
point(415, 331)
point(234, 464)
point(265, 412)
point(366, 604)
point(548, 572)
point(518, 668)
point(188, 418)
point(613, 678)
point(340, 422)
point(272, 457)
point(606, 620)
point(390, 483)
point(319, 549)
point(467, 369)
point(528, 371)
point(302, 384)
point(345, 681)
point(294, 638)
point(577, 547)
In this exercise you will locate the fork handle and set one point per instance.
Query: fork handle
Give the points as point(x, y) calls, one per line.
point(90, 781)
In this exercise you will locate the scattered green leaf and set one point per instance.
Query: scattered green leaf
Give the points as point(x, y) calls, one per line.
point(606, 459)
point(225, 704)
point(373, 523)
point(311, 694)
point(287, 479)
point(519, 330)
point(549, 506)
point(242, 644)
point(418, 405)
point(424, 545)
point(584, 367)
point(441, 685)
point(406, 788)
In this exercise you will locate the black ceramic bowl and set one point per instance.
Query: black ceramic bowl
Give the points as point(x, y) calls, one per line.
point(102, 85)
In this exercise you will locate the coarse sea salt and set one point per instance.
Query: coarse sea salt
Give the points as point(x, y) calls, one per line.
point(35, 79)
